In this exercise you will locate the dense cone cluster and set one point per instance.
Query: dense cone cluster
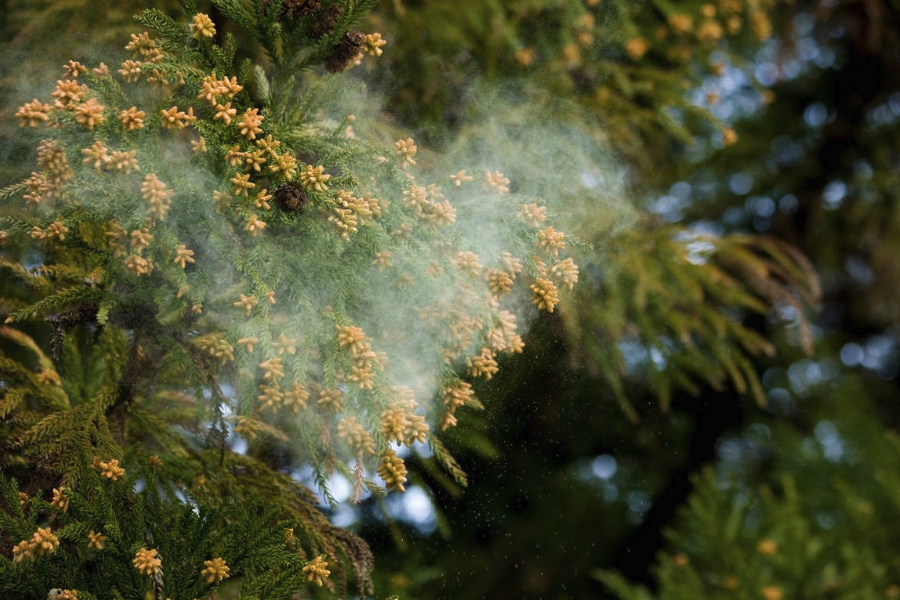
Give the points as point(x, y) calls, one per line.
point(347, 52)
point(392, 470)
point(299, 8)
point(42, 542)
point(299, 250)
point(289, 197)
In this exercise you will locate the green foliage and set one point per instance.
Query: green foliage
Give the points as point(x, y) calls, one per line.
point(256, 544)
point(129, 248)
point(166, 27)
point(629, 64)
point(831, 536)
point(183, 306)
point(679, 305)
point(694, 300)
point(118, 346)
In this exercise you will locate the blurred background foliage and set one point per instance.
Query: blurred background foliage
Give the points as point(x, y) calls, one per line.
point(715, 416)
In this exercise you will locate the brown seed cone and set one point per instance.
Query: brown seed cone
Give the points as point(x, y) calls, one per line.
point(348, 48)
point(289, 197)
point(299, 8)
point(325, 21)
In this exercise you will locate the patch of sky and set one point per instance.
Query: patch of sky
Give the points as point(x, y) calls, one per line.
point(723, 109)
point(422, 449)
point(707, 228)
point(760, 206)
point(859, 270)
point(808, 373)
point(766, 73)
point(771, 377)
point(339, 487)
point(788, 314)
point(815, 115)
point(639, 502)
point(634, 354)
point(761, 431)
point(882, 115)
point(734, 216)
point(610, 493)
point(832, 443)
point(740, 184)
point(699, 251)
point(852, 354)
point(732, 81)
point(344, 516)
point(604, 466)
point(878, 348)
point(826, 58)
point(658, 358)
point(697, 150)
point(413, 507)
point(881, 356)
point(791, 69)
point(810, 448)
point(229, 393)
point(729, 449)
point(837, 30)
point(786, 151)
point(808, 50)
point(771, 64)
point(833, 194)
point(305, 475)
point(894, 104)
point(754, 517)
point(779, 400)
point(788, 204)
point(238, 445)
point(826, 520)
point(804, 23)
point(681, 190)
point(862, 170)
point(761, 224)
point(671, 206)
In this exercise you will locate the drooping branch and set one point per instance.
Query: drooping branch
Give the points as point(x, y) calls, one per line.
point(86, 312)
